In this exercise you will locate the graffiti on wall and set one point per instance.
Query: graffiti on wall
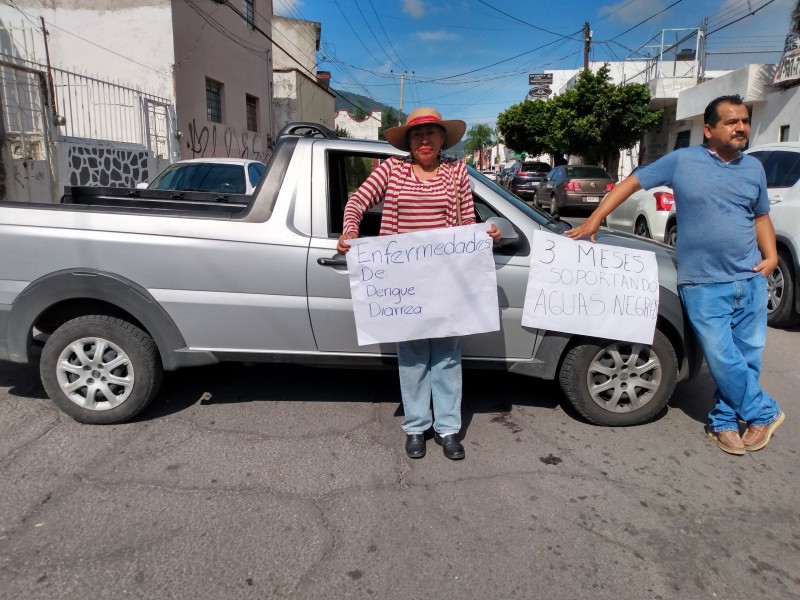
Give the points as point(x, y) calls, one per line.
point(106, 166)
point(219, 140)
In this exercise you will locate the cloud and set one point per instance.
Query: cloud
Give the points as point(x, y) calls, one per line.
point(286, 7)
point(436, 36)
point(415, 8)
point(632, 11)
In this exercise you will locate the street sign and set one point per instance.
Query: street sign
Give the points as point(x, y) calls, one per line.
point(541, 91)
point(540, 79)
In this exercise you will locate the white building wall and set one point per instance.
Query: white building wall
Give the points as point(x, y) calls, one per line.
point(298, 98)
point(365, 130)
point(128, 42)
point(296, 44)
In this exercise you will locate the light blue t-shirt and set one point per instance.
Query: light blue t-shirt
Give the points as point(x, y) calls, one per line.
point(715, 204)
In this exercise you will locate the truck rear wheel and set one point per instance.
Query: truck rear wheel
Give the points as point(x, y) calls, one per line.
point(620, 383)
point(100, 369)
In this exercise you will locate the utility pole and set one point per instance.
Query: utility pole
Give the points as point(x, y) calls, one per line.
point(402, 81)
point(402, 86)
point(587, 40)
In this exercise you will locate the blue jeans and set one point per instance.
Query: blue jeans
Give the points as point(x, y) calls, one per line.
point(730, 321)
point(428, 368)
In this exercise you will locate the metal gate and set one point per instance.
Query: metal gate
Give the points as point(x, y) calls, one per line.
point(160, 133)
point(26, 172)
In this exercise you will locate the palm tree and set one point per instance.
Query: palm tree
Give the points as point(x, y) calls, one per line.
point(478, 139)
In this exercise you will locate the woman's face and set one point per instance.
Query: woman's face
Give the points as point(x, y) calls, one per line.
point(426, 141)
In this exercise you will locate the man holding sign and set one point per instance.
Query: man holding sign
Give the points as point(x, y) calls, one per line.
point(726, 250)
point(420, 192)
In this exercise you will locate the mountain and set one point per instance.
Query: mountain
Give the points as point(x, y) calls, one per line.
point(347, 100)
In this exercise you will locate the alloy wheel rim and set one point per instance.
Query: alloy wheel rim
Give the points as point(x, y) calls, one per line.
point(775, 289)
point(623, 377)
point(95, 373)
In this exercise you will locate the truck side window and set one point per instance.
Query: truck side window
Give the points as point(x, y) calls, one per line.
point(346, 173)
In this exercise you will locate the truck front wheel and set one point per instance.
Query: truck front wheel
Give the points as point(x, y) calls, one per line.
point(100, 369)
point(619, 383)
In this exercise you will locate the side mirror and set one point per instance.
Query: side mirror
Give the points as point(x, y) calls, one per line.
point(142, 186)
point(508, 235)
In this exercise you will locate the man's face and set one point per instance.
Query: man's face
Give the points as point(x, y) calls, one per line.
point(732, 131)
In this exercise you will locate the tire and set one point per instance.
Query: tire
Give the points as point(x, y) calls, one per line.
point(553, 208)
point(672, 235)
point(597, 380)
point(780, 295)
point(129, 369)
point(641, 229)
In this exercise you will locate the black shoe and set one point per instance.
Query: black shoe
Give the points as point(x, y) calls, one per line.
point(450, 445)
point(415, 445)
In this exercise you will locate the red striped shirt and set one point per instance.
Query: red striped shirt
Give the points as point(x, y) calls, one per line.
point(409, 203)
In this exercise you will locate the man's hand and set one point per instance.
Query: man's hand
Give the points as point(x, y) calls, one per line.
point(494, 233)
point(765, 236)
point(342, 247)
point(766, 266)
point(588, 227)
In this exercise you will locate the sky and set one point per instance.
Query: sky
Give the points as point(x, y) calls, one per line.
point(471, 59)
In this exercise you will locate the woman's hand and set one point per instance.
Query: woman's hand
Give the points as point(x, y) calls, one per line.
point(494, 233)
point(342, 247)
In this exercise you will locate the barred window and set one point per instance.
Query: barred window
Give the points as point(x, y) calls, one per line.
point(249, 13)
point(251, 106)
point(214, 101)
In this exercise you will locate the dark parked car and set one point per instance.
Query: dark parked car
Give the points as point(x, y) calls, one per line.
point(502, 177)
point(524, 178)
point(573, 186)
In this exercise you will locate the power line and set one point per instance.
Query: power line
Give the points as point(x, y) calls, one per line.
point(739, 19)
point(526, 23)
point(646, 20)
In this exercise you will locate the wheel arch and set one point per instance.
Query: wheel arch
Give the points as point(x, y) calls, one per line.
point(58, 297)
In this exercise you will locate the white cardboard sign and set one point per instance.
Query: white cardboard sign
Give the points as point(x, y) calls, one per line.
point(591, 289)
point(428, 284)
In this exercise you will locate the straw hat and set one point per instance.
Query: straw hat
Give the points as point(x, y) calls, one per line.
point(453, 130)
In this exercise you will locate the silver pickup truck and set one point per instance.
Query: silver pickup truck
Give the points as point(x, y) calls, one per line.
point(107, 292)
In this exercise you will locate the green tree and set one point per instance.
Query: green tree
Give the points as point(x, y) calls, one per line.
point(479, 137)
point(526, 127)
point(389, 118)
point(795, 18)
point(594, 119)
point(342, 132)
point(359, 114)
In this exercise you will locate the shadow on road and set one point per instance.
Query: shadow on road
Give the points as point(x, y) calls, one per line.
point(230, 383)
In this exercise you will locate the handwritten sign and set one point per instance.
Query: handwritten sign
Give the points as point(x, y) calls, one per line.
point(430, 284)
point(591, 289)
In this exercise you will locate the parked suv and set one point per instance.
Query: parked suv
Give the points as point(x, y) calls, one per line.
point(524, 178)
point(782, 164)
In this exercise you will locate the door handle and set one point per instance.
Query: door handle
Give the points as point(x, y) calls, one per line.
point(775, 199)
point(337, 260)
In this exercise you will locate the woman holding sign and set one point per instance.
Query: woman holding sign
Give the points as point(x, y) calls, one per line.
point(424, 190)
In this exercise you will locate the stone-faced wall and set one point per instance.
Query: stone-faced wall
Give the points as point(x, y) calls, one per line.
point(106, 167)
point(104, 164)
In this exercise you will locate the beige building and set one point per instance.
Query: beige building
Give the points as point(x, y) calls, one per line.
point(103, 92)
point(301, 92)
point(223, 78)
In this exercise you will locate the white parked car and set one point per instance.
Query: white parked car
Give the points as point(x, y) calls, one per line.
point(647, 214)
point(781, 162)
point(221, 175)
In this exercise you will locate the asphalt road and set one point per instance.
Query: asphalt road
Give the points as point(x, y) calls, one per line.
point(277, 481)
